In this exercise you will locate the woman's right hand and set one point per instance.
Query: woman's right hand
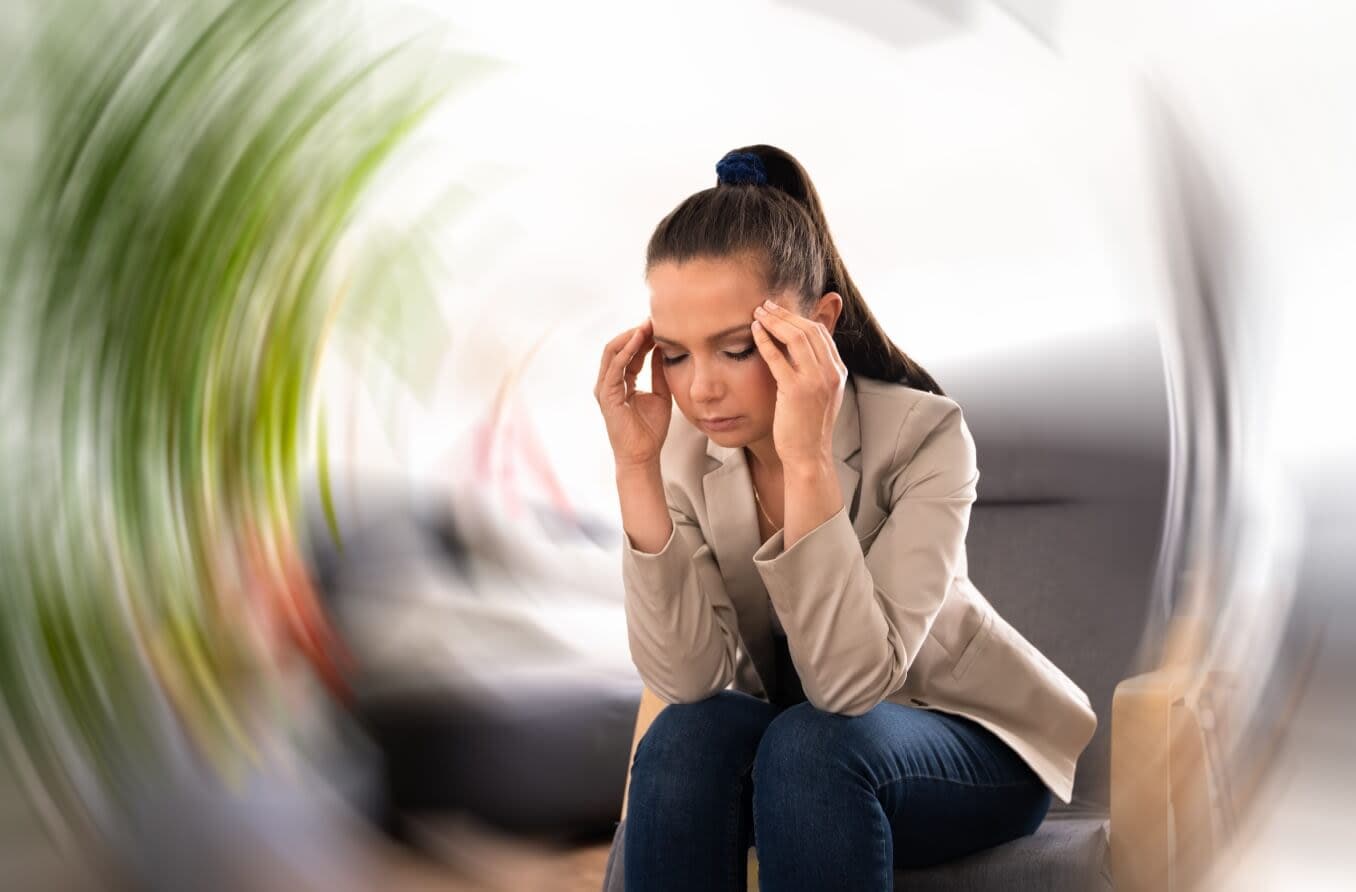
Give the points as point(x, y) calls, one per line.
point(637, 420)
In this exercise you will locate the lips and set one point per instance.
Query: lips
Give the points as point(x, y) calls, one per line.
point(720, 424)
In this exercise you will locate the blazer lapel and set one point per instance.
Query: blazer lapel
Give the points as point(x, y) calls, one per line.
point(728, 489)
point(847, 444)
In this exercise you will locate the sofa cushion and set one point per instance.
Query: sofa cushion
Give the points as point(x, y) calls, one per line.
point(533, 755)
point(1068, 853)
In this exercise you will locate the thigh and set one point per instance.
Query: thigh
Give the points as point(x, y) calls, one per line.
point(949, 786)
point(689, 817)
point(945, 785)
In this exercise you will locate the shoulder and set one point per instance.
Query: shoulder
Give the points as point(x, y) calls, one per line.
point(912, 432)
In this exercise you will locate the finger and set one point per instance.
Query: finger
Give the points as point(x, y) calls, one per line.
point(659, 379)
point(638, 360)
point(777, 363)
point(796, 340)
point(616, 345)
point(830, 347)
point(618, 369)
point(610, 351)
point(614, 383)
point(807, 325)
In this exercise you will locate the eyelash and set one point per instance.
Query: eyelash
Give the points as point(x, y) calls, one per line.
point(737, 357)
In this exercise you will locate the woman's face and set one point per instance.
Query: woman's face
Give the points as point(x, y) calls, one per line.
point(702, 309)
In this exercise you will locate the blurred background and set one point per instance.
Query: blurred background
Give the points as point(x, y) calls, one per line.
point(310, 536)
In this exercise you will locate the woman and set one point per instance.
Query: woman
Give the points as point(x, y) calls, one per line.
point(798, 535)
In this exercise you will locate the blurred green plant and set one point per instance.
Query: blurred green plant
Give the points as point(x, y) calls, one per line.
point(181, 179)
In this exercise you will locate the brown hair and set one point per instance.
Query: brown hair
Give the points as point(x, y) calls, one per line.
point(782, 226)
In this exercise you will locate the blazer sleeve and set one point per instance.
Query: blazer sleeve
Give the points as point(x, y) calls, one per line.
point(680, 622)
point(855, 621)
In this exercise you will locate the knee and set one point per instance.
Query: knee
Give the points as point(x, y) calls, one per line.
point(800, 744)
point(804, 746)
point(716, 736)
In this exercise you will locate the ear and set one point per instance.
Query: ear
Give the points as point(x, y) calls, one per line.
point(827, 309)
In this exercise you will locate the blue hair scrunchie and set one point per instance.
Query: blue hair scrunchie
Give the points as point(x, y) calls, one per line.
point(737, 168)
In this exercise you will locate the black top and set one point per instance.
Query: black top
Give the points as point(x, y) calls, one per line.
point(787, 690)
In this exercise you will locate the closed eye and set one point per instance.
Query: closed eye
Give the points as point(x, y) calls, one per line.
point(738, 356)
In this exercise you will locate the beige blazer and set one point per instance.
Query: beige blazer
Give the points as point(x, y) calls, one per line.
point(876, 602)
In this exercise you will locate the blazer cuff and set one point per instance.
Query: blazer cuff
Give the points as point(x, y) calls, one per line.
point(650, 575)
point(783, 568)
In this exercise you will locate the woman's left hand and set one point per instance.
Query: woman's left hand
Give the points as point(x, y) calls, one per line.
point(810, 381)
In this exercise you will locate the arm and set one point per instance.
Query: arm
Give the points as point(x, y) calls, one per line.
point(855, 621)
point(679, 619)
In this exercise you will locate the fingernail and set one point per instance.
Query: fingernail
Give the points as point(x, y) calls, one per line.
point(758, 311)
point(769, 303)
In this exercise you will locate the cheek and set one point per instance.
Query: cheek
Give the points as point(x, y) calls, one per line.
point(758, 385)
point(680, 382)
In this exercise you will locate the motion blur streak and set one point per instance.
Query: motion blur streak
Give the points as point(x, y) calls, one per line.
point(190, 237)
point(181, 180)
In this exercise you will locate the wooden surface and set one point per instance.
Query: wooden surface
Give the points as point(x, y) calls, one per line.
point(650, 706)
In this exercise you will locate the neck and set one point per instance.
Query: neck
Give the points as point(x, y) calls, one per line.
point(764, 456)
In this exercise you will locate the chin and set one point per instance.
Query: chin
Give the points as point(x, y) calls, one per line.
point(730, 439)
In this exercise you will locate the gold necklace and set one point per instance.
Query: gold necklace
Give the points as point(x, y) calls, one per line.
point(759, 502)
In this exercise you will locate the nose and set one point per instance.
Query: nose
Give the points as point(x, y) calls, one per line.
point(707, 386)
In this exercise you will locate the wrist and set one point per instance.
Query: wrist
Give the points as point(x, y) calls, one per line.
point(636, 470)
point(808, 469)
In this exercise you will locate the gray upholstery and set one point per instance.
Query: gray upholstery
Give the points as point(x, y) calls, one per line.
point(1073, 451)
point(1067, 854)
point(543, 758)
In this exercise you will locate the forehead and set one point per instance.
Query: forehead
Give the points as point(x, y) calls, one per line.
point(698, 298)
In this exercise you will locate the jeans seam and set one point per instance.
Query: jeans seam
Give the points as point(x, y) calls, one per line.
point(734, 826)
point(887, 855)
point(950, 780)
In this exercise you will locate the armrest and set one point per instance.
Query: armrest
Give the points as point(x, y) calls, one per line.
point(1162, 834)
point(650, 705)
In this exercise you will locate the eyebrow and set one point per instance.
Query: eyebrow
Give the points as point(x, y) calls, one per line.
point(723, 333)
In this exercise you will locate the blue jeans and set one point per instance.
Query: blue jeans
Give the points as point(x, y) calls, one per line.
point(828, 801)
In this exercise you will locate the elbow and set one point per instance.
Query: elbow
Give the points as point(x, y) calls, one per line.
point(688, 687)
point(849, 700)
point(854, 694)
point(681, 680)
point(679, 694)
point(849, 707)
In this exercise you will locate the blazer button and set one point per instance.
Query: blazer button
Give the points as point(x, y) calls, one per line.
point(915, 701)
